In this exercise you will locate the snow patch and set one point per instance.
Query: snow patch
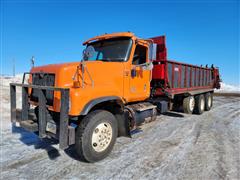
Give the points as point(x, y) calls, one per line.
point(6, 80)
point(227, 88)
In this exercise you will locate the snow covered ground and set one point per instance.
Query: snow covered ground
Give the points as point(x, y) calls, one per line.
point(175, 146)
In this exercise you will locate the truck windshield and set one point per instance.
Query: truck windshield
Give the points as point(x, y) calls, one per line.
point(110, 50)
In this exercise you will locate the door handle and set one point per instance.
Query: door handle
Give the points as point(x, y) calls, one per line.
point(133, 73)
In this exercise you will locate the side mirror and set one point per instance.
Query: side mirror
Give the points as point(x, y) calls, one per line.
point(133, 73)
point(152, 52)
point(88, 52)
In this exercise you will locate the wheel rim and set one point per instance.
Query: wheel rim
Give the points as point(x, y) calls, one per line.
point(101, 137)
point(191, 103)
point(209, 101)
point(202, 104)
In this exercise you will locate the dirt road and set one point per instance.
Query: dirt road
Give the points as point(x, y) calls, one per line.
point(175, 146)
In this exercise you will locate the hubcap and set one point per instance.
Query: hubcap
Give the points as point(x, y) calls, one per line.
point(101, 137)
point(191, 103)
point(202, 104)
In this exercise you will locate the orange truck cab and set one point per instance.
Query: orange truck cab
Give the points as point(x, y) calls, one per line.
point(109, 93)
point(106, 74)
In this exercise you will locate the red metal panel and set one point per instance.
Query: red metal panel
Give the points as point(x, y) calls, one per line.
point(190, 76)
point(195, 84)
point(200, 74)
point(173, 76)
point(186, 78)
point(205, 78)
point(179, 75)
point(199, 82)
point(161, 47)
point(158, 71)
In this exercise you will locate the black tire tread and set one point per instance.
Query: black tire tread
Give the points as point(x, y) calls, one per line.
point(81, 132)
point(186, 108)
point(207, 108)
point(197, 109)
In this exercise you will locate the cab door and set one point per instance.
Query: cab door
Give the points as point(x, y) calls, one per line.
point(140, 74)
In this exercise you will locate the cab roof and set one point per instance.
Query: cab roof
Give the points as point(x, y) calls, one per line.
point(108, 36)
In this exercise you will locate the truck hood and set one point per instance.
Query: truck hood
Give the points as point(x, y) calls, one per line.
point(98, 71)
point(100, 79)
point(63, 72)
point(53, 68)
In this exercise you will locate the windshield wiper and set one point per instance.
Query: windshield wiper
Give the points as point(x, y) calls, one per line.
point(118, 59)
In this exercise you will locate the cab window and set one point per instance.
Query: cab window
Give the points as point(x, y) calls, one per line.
point(140, 55)
point(110, 50)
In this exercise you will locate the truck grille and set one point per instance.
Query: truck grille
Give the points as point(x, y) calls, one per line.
point(43, 79)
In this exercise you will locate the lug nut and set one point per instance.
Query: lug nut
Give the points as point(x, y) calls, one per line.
point(96, 130)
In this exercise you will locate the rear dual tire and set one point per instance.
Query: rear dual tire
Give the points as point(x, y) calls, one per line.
point(208, 101)
point(188, 104)
point(200, 104)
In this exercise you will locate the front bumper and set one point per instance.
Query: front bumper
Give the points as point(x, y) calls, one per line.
point(65, 133)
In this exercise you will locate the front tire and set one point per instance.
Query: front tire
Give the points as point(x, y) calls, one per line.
point(96, 136)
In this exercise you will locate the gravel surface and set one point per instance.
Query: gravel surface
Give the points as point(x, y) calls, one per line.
point(175, 146)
